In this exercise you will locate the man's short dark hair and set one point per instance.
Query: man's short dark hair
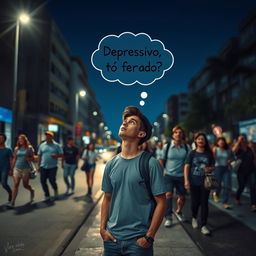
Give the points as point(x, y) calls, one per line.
point(145, 124)
point(2, 134)
point(70, 138)
point(177, 127)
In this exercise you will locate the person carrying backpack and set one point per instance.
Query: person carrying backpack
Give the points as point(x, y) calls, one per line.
point(130, 217)
point(173, 159)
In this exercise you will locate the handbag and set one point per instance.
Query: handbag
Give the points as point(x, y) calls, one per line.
point(86, 167)
point(210, 181)
point(235, 164)
point(33, 170)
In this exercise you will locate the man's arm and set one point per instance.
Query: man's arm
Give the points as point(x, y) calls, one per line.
point(104, 218)
point(39, 162)
point(157, 219)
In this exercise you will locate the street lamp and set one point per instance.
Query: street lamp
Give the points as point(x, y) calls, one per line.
point(23, 19)
point(81, 93)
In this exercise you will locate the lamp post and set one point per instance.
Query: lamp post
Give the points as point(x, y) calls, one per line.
point(23, 19)
point(81, 93)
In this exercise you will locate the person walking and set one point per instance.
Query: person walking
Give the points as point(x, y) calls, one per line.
point(173, 160)
point(246, 170)
point(69, 164)
point(23, 153)
point(198, 163)
point(90, 156)
point(48, 154)
point(129, 220)
point(223, 157)
point(6, 157)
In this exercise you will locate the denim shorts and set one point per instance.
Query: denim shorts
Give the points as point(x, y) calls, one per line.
point(172, 182)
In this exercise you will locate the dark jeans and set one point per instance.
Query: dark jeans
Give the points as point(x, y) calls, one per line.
point(3, 180)
point(51, 175)
point(244, 177)
point(69, 171)
point(199, 197)
point(223, 176)
point(126, 247)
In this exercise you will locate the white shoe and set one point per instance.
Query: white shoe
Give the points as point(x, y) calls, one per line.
point(205, 230)
point(194, 223)
point(168, 223)
point(180, 216)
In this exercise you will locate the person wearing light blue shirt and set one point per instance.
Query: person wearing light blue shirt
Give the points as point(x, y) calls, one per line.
point(48, 154)
point(173, 160)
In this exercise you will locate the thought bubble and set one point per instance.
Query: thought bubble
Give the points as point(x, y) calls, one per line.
point(143, 95)
point(130, 59)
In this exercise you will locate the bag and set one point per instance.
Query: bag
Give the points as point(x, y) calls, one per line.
point(86, 167)
point(210, 182)
point(236, 164)
point(33, 170)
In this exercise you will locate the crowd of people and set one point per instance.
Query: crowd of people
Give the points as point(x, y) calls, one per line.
point(20, 162)
point(185, 169)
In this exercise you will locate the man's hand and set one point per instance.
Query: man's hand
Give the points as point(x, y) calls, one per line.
point(187, 185)
point(55, 156)
point(106, 235)
point(10, 173)
point(142, 242)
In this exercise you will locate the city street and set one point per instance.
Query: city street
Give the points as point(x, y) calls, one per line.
point(45, 228)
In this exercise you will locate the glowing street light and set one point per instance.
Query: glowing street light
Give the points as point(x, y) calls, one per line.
point(23, 19)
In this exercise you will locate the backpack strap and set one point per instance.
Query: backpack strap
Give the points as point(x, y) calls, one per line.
point(166, 153)
point(144, 171)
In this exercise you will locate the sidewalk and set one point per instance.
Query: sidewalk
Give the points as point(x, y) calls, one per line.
point(172, 241)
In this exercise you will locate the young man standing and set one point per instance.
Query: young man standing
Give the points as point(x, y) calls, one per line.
point(173, 160)
point(6, 157)
point(48, 154)
point(129, 220)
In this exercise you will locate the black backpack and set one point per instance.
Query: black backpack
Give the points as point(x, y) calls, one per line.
point(144, 172)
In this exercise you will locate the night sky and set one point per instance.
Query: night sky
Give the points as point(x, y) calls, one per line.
point(192, 30)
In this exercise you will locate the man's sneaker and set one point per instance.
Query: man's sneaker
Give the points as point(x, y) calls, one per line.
point(168, 223)
point(180, 216)
point(47, 198)
point(194, 223)
point(227, 206)
point(32, 195)
point(67, 192)
point(10, 205)
point(215, 197)
point(205, 230)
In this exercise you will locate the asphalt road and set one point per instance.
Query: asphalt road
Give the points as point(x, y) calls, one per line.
point(229, 237)
point(44, 228)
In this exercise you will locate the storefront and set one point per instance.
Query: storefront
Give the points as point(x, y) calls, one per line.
point(6, 123)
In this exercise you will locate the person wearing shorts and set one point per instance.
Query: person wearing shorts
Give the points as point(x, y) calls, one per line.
point(23, 153)
point(175, 153)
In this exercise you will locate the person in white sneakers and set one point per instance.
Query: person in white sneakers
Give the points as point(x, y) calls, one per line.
point(199, 162)
point(173, 160)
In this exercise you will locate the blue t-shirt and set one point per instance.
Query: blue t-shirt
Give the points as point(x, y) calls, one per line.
point(21, 153)
point(175, 159)
point(5, 155)
point(131, 206)
point(45, 151)
point(198, 161)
